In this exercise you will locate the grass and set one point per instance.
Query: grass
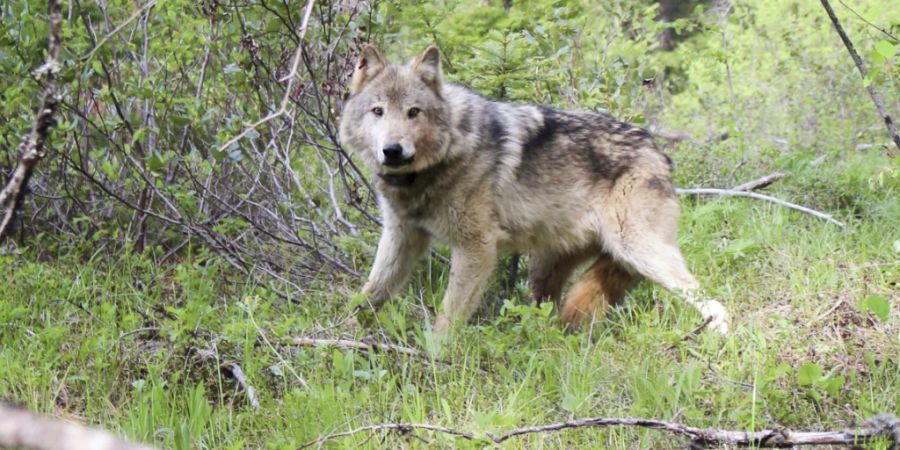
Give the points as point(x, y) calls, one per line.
point(119, 341)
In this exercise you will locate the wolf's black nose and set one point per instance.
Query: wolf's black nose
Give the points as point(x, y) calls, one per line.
point(393, 153)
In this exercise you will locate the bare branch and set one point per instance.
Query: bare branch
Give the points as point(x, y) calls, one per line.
point(885, 32)
point(32, 148)
point(137, 12)
point(759, 183)
point(291, 77)
point(22, 429)
point(883, 426)
point(876, 99)
point(768, 198)
point(402, 427)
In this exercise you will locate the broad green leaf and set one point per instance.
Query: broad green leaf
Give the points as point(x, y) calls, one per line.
point(809, 373)
point(870, 77)
point(885, 49)
point(833, 385)
point(878, 305)
point(356, 300)
point(570, 402)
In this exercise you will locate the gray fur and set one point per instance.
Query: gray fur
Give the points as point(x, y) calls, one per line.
point(488, 177)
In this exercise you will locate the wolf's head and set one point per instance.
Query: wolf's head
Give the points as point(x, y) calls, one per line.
point(395, 118)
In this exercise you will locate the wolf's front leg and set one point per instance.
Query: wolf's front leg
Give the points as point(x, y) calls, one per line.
point(470, 269)
point(401, 245)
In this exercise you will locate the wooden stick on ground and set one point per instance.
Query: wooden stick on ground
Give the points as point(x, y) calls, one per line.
point(881, 427)
point(32, 148)
point(876, 99)
point(24, 430)
point(768, 198)
point(759, 183)
point(238, 374)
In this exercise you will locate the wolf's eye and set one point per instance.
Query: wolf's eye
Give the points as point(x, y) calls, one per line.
point(413, 112)
point(378, 111)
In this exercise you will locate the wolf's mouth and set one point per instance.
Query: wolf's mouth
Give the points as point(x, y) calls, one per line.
point(391, 162)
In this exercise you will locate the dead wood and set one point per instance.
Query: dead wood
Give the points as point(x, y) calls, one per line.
point(32, 148)
point(23, 430)
point(768, 198)
point(881, 427)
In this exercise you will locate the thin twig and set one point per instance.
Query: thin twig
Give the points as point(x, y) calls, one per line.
point(291, 78)
point(886, 32)
point(882, 426)
point(822, 316)
point(759, 183)
point(137, 12)
point(402, 427)
point(768, 198)
point(694, 332)
point(879, 105)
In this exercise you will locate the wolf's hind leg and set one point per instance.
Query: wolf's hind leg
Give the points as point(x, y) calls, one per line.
point(601, 286)
point(664, 264)
point(641, 232)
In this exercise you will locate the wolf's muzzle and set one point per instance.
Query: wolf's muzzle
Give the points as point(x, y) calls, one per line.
point(393, 156)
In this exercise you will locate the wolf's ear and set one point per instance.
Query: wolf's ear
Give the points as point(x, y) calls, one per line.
point(428, 67)
point(370, 63)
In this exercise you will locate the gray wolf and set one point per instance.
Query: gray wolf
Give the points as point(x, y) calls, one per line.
point(487, 177)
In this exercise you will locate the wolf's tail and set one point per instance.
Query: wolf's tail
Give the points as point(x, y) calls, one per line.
point(601, 286)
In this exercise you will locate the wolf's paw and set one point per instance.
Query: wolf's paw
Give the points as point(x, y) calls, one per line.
point(716, 314)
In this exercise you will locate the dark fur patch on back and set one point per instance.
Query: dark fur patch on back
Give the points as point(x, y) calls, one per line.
point(498, 131)
point(660, 184)
point(609, 166)
point(465, 121)
point(669, 161)
point(545, 133)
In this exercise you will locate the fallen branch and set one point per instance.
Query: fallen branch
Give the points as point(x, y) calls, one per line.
point(876, 99)
point(401, 427)
point(881, 427)
point(238, 374)
point(24, 430)
point(759, 183)
point(690, 334)
point(32, 148)
point(768, 198)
